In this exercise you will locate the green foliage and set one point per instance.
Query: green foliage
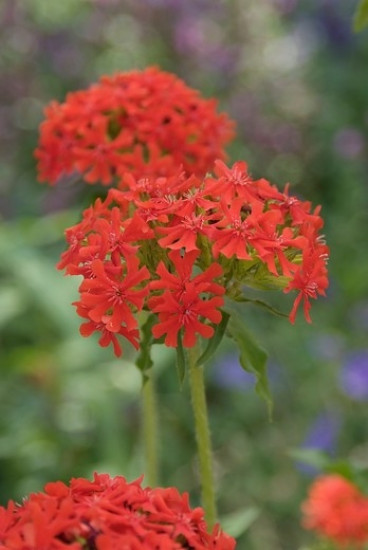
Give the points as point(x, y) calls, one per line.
point(237, 523)
point(216, 339)
point(181, 361)
point(252, 357)
point(361, 16)
point(144, 360)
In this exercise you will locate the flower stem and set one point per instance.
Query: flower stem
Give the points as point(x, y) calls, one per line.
point(150, 431)
point(203, 438)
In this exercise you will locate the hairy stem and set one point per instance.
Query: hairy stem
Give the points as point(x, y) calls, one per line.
point(203, 438)
point(150, 431)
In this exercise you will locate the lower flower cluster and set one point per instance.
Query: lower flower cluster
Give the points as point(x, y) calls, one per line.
point(107, 514)
point(336, 509)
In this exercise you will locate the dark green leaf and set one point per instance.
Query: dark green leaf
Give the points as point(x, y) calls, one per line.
point(252, 357)
point(361, 16)
point(180, 359)
point(144, 360)
point(262, 304)
point(216, 339)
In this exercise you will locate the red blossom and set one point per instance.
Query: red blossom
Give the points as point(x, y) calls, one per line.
point(310, 280)
point(183, 232)
point(107, 336)
point(110, 299)
point(171, 226)
point(107, 514)
point(182, 306)
point(146, 123)
point(336, 509)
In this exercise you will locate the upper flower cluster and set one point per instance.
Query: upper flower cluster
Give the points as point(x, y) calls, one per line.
point(142, 122)
point(175, 246)
point(107, 514)
point(338, 510)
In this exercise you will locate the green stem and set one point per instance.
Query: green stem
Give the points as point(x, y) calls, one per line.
point(197, 388)
point(150, 431)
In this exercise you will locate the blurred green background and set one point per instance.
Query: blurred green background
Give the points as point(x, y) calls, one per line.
point(293, 76)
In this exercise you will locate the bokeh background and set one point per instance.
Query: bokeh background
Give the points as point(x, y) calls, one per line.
point(294, 77)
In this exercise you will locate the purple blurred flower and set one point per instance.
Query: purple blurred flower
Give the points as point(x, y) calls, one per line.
point(229, 374)
point(223, 59)
point(349, 143)
point(286, 138)
point(354, 375)
point(190, 36)
point(178, 5)
point(359, 314)
point(334, 26)
point(67, 58)
point(285, 6)
point(327, 346)
point(321, 436)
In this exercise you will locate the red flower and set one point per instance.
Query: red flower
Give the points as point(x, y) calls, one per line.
point(141, 122)
point(181, 306)
point(107, 336)
point(111, 298)
point(310, 280)
point(236, 182)
point(337, 509)
point(107, 514)
point(183, 232)
point(171, 224)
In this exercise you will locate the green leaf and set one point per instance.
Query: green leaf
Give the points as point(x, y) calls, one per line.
point(38, 278)
point(11, 303)
point(216, 339)
point(261, 303)
point(252, 357)
point(144, 360)
point(341, 467)
point(361, 16)
point(180, 360)
point(311, 457)
point(322, 461)
point(237, 523)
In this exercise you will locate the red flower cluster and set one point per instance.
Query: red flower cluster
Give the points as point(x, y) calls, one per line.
point(142, 122)
point(337, 510)
point(159, 244)
point(107, 514)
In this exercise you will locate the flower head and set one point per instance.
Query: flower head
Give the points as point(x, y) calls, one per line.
point(146, 123)
point(175, 246)
point(336, 509)
point(107, 514)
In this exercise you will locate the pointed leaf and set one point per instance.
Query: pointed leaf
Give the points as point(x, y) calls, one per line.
point(361, 16)
point(216, 339)
point(144, 360)
point(252, 357)
point(180, 360)
point(262, 304)
point(238, 522)
point(311, 457)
